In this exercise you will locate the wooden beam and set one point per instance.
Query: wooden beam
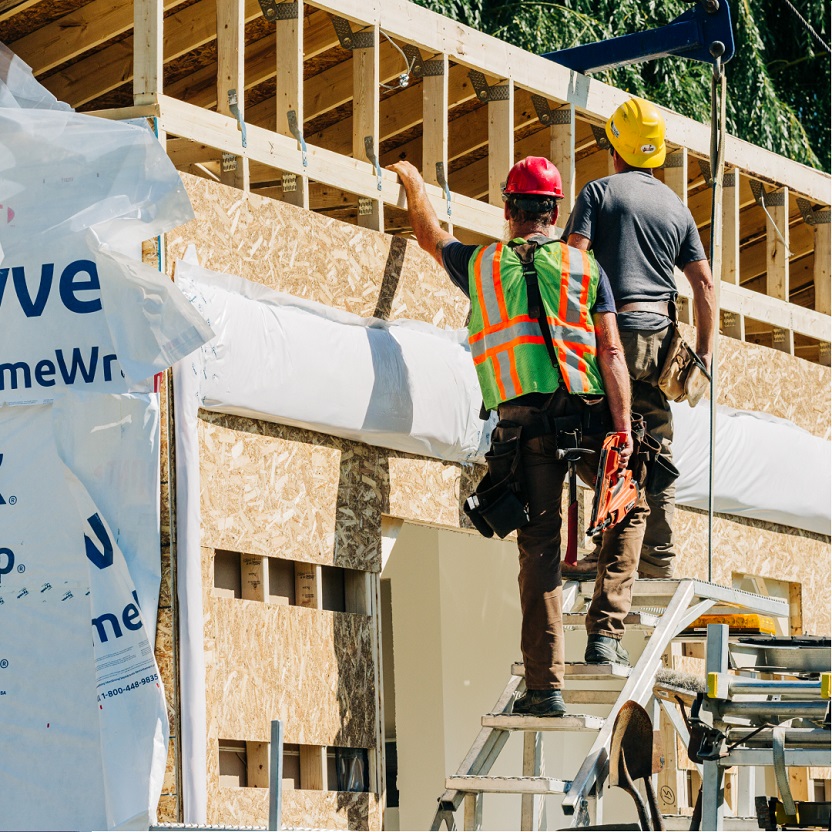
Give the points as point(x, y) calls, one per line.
point(562, 153)
point(731, 227)
point(365, 131)
point(435, 123)
point(436, 34)
point(231, 82)
point(500, 139)
point(732, 325)
point(823, 255)
point(777, 243)
point(112, 66)
point(308, 590)
point(676, 173)
point(147, 51)
point(313, 767)
point(78, 32)
point(199, 87)
point(466, 133)
point(289, 94)
point(400, 111)
point(9, 8)
point(254, 574)
point(754, 256)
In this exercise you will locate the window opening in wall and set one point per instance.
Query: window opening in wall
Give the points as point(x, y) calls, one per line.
point(291, 766)
point(334, 598)
point(348, 769)
point(233, 764)
point(821, 790)
point(291, 583)
point(244, 764)
point(228, 581)
point(281, 581)
point(391, 773)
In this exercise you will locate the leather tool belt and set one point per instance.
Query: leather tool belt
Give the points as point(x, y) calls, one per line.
point(660, 307)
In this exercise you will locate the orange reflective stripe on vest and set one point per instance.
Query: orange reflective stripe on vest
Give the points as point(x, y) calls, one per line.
point(507, 346)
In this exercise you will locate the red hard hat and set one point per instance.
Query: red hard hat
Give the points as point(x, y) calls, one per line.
point(534, 175)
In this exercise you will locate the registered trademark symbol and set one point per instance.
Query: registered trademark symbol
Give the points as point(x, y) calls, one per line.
point(21, 568)
point(12, 500)
point(4, 663)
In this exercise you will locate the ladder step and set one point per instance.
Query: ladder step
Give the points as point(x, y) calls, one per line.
point(520, 722)
point(507, 785)
point(635, 620)
point(582, 672)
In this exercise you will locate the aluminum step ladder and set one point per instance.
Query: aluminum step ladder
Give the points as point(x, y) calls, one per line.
point(673, 606)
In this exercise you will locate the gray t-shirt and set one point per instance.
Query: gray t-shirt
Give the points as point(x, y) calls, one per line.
point(639, 230)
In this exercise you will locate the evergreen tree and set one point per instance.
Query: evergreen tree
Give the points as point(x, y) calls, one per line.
point(778, 80)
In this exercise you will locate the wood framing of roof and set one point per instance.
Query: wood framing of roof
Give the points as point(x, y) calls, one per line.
point(372, 81)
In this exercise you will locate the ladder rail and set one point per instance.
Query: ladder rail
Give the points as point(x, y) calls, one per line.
point(639, 687)
point(490, 741)
point(684, 601)
point(483, 752)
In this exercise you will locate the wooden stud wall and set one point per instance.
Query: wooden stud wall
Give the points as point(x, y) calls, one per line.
point(89, 57)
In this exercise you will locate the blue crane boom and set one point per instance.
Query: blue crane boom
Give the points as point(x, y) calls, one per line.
point(689, 36)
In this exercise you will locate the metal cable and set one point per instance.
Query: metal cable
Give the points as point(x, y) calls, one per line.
point(774, 225)
point(808, 26)
point(404, 77)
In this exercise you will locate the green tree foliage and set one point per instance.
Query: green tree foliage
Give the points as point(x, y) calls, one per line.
point(778, 81)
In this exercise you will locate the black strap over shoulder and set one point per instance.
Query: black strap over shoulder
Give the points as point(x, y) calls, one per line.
point(525, 253)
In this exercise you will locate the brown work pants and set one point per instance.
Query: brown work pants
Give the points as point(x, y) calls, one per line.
point(541, 640)
point(646, 353)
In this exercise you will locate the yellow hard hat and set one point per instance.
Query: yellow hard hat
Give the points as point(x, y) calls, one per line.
point(636, 131)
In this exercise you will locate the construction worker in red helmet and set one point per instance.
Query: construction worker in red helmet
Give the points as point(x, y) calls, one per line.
point(639, 230)
point(548, 358)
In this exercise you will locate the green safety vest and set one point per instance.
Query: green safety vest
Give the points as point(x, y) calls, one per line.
point(507, 345)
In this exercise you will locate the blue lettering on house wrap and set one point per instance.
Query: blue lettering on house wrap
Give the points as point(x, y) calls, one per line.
point(78, 278)
point(130, 618)
point(104, 558)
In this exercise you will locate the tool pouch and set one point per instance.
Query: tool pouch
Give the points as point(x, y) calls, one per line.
point(683, 376)
point(651, 470)
point(498, 506)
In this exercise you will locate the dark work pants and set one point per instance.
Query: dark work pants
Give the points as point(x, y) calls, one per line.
point(645, 353)
point(541, 603)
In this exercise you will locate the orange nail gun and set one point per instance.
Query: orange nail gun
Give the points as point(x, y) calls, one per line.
point(615, 494)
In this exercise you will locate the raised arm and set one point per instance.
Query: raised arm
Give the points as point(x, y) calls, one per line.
point(429, 234)
point(579, 241)
point(613, 368)
point(701, 281)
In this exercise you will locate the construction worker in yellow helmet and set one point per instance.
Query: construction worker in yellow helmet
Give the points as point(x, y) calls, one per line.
point(639, 230)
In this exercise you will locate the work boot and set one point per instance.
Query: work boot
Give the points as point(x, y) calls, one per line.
point(605, 650)
point(587, 566)
point(540, 703)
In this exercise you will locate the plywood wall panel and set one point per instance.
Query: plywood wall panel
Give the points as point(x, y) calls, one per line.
point(301, 808)
point(753, 377)
point(312, 669)
point(277, 491)
point(315, 257)
point(758, 548)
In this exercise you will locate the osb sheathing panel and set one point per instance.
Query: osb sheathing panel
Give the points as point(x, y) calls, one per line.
point(369, 273)
point(315, 257)
point(758, 548)
point(277, 491)
point(301, 808)
point(752, 377)
point(312, 669)
point(430, 491)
